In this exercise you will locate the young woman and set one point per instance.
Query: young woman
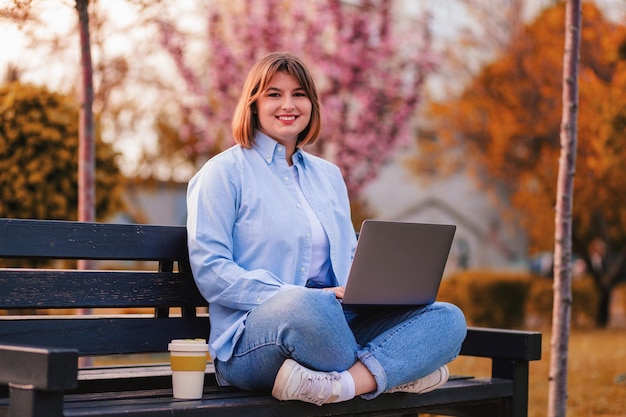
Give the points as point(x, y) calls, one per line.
point(271, 242)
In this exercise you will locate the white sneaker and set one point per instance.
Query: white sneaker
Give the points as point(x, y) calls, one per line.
point(295, 382)
point(428, 383)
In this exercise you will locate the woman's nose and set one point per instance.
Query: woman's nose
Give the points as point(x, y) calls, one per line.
point(288, 103)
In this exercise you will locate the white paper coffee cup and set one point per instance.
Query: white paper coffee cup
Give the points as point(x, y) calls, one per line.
point(188, 358)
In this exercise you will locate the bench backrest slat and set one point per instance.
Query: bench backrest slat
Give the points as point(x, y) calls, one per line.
point(135, 267)
point(56, 239)
point(25, 289)
point(102, 336)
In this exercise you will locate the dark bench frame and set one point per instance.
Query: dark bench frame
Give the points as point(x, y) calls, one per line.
point(39, 375)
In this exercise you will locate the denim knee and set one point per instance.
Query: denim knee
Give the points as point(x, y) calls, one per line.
point(455, 321)
point(310, 328)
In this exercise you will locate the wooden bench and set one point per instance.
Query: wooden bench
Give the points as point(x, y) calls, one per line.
point(40, 349)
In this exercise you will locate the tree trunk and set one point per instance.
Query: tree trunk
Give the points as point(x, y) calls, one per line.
point(86, 140)
point(86, 148)
point(561, 315)
point(603, 313)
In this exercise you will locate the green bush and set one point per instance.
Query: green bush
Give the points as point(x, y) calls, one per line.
point(492, 299)
point(584, 302)
point(39, 157)
point(515, 300)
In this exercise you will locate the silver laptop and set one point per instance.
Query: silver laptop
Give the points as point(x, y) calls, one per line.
point(398, 263)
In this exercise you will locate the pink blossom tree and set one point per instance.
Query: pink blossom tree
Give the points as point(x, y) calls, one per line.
point(369, 75)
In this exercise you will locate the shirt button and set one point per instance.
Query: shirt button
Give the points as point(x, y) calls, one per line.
point(302, 269)
point(258, 300)
point(286, 179)
point(298, 206)
point(280, 149)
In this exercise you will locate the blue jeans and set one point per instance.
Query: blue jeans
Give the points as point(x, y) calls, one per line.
point(311, 327)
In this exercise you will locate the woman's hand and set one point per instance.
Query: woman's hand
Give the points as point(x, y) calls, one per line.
point(337, 290)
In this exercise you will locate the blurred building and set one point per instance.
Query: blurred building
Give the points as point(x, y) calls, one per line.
point(484, 239)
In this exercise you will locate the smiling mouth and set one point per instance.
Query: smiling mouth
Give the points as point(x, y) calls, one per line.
point(287, 118)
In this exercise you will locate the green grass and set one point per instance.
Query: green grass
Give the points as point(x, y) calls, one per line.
point(596, 374)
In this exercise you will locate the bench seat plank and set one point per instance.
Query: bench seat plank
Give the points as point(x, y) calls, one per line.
point(230, 402)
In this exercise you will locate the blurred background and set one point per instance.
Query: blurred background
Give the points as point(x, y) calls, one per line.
point(441, 111)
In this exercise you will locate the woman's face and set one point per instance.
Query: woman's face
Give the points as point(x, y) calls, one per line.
point(283, 109)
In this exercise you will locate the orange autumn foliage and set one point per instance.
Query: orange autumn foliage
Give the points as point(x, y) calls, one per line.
point(504, 128)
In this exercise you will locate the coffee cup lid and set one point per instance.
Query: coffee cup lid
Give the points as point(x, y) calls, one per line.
point(188, 345)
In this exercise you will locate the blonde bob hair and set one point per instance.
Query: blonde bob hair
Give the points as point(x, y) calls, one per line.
point(245, 120)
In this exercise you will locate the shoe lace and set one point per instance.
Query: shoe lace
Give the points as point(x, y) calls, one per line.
point(317, 388)
point(409, 386)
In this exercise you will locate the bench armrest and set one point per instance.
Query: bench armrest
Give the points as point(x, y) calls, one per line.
point(502, 344)
point(39, 368)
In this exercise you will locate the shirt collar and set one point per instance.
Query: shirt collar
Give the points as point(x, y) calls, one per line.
point(268, 148)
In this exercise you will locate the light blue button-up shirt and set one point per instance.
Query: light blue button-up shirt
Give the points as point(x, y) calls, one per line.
point(249, 237)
